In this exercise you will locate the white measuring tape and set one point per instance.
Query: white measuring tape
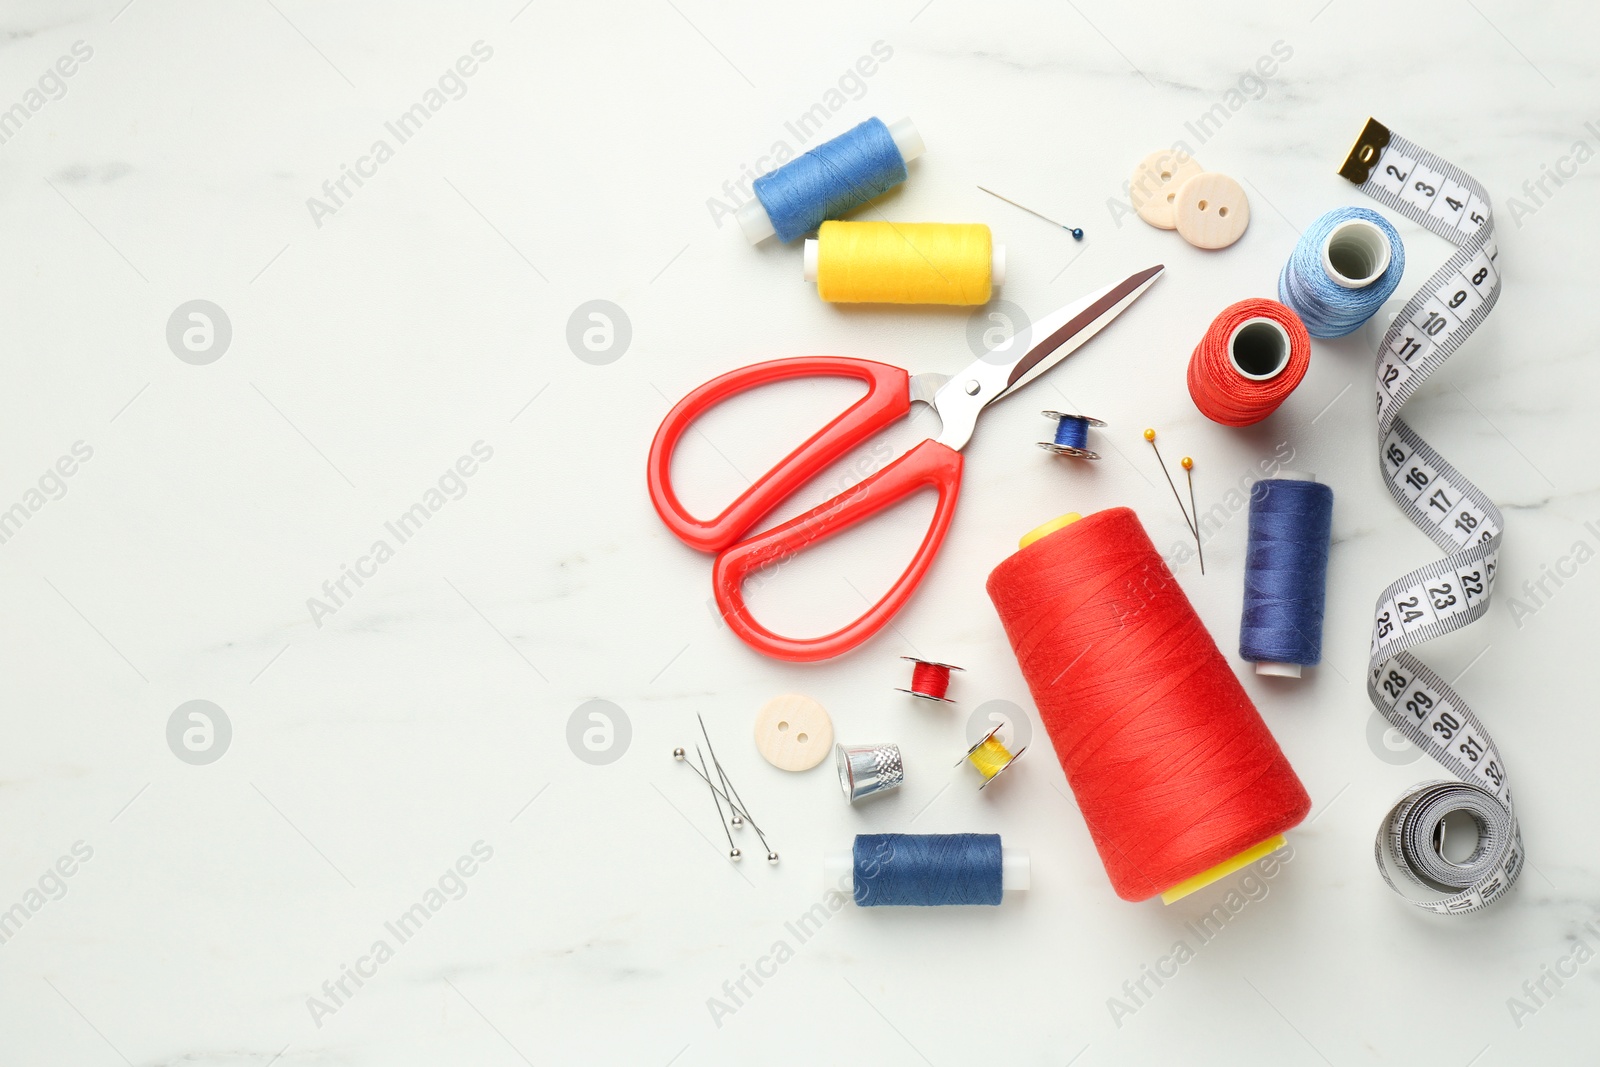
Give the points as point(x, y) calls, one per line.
point(1465, 524)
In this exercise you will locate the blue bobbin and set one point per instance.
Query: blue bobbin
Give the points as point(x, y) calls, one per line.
point(1072, 435)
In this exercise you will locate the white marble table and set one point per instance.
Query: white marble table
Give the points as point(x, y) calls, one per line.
point(373, 507)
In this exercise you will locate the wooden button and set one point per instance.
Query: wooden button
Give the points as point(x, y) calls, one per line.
point(1157, 177)
point(793, 732)
point(1212, 210)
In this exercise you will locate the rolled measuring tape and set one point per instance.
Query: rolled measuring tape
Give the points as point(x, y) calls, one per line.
point(1454, 591)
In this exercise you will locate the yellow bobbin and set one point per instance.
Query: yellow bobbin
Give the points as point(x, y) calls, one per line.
point(990, 756)
point(904, 263)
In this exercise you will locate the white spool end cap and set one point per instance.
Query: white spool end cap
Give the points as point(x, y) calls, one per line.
point(907, 139)
point(1355, 254)
point(754, 222)
point(997, 265)
point(810, 267)
point(1016, 871)
point(1294, 476)
point(1278, 670)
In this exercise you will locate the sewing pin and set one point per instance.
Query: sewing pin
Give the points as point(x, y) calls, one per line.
point(1150, 435)
point(1077, 232)
point(1188, 467)
point(733, 850)
point(725, 798)
point(742, 812)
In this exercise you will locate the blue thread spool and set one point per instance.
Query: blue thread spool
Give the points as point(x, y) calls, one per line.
point(1286, 574)
point(928, 870)
point(831, 180)
point(1343, 268)
point(1072, 435)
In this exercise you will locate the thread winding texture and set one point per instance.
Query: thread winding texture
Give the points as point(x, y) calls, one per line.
point(990, 758)
point(1286, 572)
point(831, 179)
point(930, 679)
point(927, 870)
point(1073, 433)
point(1172, 766)
point(1327, 308)
point(904, 263)
point(1225, 395)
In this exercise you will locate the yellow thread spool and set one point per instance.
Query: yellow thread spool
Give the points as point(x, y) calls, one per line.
point(904, 263)
point(989, 756)
point(1227, 866)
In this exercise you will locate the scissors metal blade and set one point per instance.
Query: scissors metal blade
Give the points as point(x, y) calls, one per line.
point(1029, 353)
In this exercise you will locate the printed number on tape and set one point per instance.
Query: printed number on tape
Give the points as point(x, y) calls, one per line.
point(1465, 524)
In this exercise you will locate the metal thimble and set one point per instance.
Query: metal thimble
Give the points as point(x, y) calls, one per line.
point(868, 769)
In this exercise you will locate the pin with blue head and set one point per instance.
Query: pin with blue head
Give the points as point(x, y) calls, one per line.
point(1076, 231)
point(1072, 435)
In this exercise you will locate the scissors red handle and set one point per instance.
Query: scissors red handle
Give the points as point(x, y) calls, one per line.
point(888, 398)
point(930, 464)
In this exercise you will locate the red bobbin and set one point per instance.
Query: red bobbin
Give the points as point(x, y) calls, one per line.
point(929, 680)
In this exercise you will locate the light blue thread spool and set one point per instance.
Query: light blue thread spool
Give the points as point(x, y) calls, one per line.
point(831, 180)
point(927, 870)
point(1343, 268)
point(1072, 435)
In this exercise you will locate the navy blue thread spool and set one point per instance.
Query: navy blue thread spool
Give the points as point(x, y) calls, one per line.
point(831, 180)
point(927, 870)
point(1072, 435)
point(1286, 574)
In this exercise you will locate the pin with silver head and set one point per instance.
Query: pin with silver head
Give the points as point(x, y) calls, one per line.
point(740, 811)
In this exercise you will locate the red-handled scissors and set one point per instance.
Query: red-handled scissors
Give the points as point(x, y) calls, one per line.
point(934, 463)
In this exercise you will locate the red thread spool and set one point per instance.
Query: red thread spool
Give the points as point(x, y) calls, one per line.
point(1249, 361)
point(930, 680)
point(1171, 764)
